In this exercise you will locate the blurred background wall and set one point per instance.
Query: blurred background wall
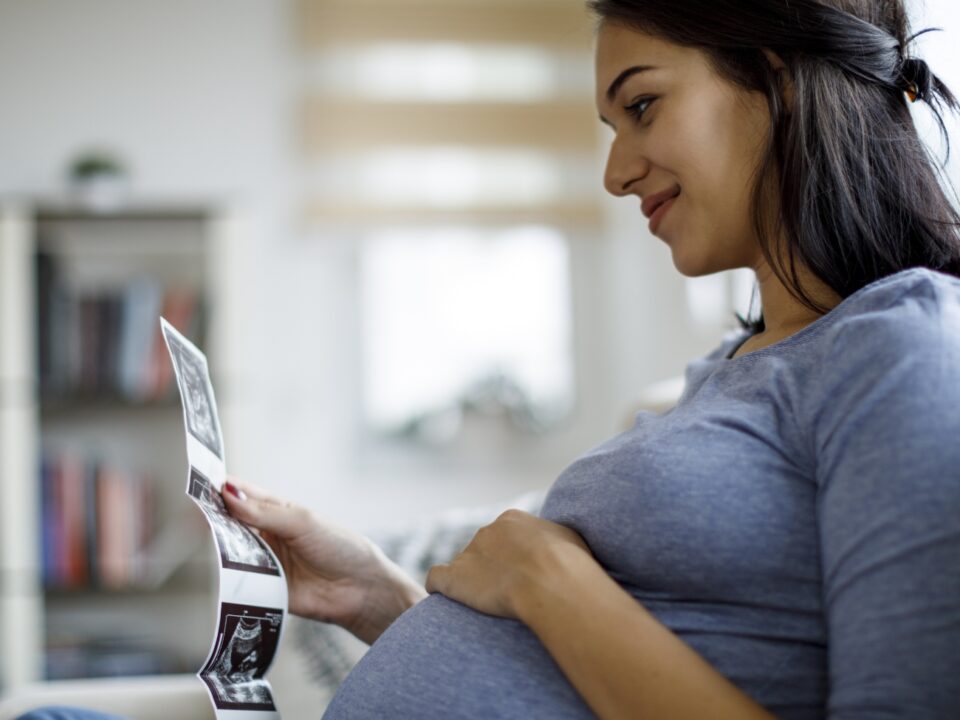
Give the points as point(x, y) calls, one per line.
point(361, 147)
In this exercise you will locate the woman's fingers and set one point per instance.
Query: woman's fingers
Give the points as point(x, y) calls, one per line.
point(233, 490)
point(282, 520)
point(250, 490)
point(437, 578)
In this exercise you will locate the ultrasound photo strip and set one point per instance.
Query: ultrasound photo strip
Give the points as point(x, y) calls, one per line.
point(253, 588)
point(247, 640)
point(196, 391)
point(240, 548)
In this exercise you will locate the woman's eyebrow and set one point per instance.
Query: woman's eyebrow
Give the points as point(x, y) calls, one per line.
point(622, 78)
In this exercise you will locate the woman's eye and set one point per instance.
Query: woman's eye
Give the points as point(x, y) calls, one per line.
point(639, 107)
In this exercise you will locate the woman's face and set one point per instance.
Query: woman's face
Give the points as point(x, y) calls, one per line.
point(679, 126)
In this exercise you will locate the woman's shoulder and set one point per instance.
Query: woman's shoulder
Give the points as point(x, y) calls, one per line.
point(896, 313)
point(899, 288)
point(892, 345)
point(910, 309)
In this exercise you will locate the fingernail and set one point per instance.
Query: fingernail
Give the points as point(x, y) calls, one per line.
point(235, 491)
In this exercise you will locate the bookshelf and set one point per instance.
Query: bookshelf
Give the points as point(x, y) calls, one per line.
point(104, 568)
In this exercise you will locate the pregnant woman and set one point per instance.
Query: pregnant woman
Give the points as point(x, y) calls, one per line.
point(786, 541)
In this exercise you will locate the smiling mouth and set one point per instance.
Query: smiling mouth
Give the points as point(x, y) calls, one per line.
point(664, 202)
point(652, 202)
point(659, 210)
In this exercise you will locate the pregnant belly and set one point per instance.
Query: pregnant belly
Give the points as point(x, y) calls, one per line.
point(441, 659)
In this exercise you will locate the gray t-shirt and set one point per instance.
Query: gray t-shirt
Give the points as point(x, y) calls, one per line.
point(795, 520)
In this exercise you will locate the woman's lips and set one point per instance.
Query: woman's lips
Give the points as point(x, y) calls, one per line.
point(658, 214)
point(650, 202)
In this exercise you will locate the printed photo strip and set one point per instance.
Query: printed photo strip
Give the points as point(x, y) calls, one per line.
point(253, 587)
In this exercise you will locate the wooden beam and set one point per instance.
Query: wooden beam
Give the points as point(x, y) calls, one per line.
point(565, 215)
point(556, 23)
point(556, 126)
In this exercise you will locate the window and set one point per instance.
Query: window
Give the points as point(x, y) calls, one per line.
point(450, 138)
point(459, 319)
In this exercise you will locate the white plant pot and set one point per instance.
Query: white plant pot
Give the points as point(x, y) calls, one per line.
point(102, 193)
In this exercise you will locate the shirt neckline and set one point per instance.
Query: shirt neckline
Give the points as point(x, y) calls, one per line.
point(823, 321)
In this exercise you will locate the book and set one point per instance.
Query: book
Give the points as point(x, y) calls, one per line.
point(103, 343)
point(141, 304)
point(96, 520)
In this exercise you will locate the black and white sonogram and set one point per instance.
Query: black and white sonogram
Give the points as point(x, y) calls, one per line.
point(240, 548)
point(246, 643)
point(197, 395)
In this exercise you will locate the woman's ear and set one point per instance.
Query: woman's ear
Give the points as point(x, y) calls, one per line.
point(786, 79)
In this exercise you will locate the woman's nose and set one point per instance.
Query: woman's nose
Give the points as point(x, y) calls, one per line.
point(624, 166)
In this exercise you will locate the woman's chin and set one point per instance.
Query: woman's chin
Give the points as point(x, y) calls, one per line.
point(697, 264)
point(689, 266)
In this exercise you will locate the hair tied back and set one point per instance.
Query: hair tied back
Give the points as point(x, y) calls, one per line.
point(915, 76)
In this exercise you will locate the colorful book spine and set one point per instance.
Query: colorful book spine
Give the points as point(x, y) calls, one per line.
point(96, 522)
point(95, 343)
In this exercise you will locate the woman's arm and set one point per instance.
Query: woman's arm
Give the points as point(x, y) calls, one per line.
point(887, 439)
point(622, 661)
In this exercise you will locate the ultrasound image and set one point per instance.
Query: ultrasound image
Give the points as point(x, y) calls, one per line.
point(197, 396)
point(240, 548)
point(247, 640)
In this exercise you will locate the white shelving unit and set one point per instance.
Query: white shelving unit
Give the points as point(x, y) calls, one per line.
point(168, 612)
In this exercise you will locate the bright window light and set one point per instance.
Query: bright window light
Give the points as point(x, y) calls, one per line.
point(455, 177)
point(744, 282)
point(443, 177)
point(461, 318)
point(712, 300)
point(708, 299)
point(451, 72)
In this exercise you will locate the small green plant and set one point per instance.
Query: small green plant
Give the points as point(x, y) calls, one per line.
point(91, 165)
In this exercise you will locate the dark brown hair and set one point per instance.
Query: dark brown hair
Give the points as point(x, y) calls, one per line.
point(860, 194)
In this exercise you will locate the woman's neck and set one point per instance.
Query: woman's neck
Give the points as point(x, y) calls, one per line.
point(783, 314)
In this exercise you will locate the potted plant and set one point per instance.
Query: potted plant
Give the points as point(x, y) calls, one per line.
point(98, 180)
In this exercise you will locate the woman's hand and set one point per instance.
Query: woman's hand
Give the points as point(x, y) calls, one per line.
point(509, 562)
point(334, 574)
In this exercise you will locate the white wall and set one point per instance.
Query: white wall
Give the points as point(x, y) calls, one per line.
point(186, 91)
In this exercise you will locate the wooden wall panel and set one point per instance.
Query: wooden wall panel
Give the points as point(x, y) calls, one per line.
point(556, 23)
point(585, 214)
point(332, 124)
point(556, 126)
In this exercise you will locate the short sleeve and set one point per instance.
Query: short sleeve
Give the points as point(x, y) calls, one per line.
point(887, 443)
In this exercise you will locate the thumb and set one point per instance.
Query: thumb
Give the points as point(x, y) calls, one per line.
point(283, 520)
